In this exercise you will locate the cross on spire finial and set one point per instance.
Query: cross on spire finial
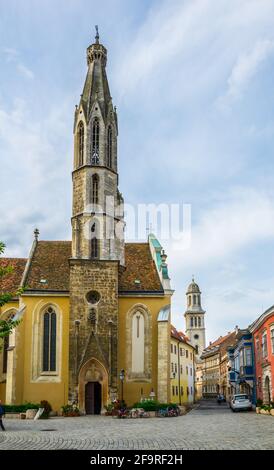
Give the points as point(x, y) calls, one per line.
point(97, 35)
point(192, 277)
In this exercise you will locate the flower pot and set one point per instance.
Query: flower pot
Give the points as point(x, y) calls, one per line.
point(272, 412)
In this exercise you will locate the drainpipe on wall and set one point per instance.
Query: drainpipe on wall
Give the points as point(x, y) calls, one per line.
point(179, 374)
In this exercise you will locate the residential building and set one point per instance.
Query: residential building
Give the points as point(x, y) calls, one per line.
point(182, 368)
point(215, 366)
point(241, 370)
point(262, 331)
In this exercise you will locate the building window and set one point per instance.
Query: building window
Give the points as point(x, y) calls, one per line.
point(264, 345)
point(191, 322)
point(194, 299)
point(95, 142)
point(109, 147)
point(95, 189)
point(81, 135)
point(173, 390)
point(195, 322)
point(272, 340)
point(190, 370)
point(197, 349)
point(172, 367)
point(175, 367)
point(94, 248)
point(171, 347)
point(199, 322)
point(182, 390)
point(138, 343)
point(181, 352)
point(176, 390)
point(181, 369)
point(186, 353)
point(189, 300)
point(175, 350)
point(248, 357)
point(186, 370)
point(191, 356)
point(49, 341)
point(187, 391)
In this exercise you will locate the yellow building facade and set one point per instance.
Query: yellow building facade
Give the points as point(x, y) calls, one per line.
point(95, 313)
point(182, 369)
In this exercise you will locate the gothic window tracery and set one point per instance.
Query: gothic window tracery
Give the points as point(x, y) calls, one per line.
point(95, 189)
point(81, 135)
point(49, 340)
point(95, 142)
point(109, 147)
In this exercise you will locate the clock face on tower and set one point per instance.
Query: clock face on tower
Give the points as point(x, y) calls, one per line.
point(196, 336)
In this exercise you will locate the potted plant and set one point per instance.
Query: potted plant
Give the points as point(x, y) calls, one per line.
point(70, 411)
point(47, 409)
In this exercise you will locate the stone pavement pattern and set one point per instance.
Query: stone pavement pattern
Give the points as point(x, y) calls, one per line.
point(206, 427)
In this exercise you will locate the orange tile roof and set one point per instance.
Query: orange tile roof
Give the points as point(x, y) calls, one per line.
point(11, 282)
point(51, 264)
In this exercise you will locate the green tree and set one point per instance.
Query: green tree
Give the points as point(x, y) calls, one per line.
point(6, 326)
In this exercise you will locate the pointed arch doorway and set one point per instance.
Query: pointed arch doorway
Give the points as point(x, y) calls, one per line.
point(93, 398)
point(93, 387)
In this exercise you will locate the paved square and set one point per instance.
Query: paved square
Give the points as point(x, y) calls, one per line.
point(206, 427)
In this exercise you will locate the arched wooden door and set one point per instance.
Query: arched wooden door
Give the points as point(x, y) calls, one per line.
point(93, 398)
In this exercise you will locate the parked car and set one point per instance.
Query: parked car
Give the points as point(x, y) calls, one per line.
point(240, 401)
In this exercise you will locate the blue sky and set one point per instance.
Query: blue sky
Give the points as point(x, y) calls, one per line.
point(193, 85)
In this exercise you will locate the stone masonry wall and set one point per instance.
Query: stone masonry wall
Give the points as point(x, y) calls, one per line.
point(87, 340)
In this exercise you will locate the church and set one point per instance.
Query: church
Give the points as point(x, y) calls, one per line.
point(95, 312)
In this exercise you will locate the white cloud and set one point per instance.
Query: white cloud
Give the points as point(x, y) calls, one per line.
point(25, 71)
point(245, 68)
point(246, 216)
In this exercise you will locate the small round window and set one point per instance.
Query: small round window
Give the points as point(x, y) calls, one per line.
point(196, 336)
point(93, 297)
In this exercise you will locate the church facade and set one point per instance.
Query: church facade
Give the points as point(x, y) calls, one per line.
point(95, 312)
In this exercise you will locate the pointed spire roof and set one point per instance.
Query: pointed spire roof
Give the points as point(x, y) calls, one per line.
point(96, 86)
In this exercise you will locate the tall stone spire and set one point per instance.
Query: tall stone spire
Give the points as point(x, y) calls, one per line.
point(95, 175)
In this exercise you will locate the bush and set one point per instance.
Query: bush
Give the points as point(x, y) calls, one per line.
point(153, 405)
point(47, 409)
point(70, 410)
point(21, 408)
point(259, 402)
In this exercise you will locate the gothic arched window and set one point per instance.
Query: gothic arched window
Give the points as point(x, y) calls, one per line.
point(138, 343)
point(199, 322)
point(95, 142)
point(95, 189)
point(81, 135)
point(109, 147)
point(49, 340)
point(195, 319)
point(191, 322)
point(194, 299)
point(94, 251)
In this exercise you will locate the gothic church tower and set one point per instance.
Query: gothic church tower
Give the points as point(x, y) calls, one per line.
point(194, 317)
point(97, 239)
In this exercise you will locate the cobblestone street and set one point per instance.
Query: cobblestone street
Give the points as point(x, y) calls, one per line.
point(206, 427)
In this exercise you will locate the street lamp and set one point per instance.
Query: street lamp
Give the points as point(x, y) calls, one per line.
point(122, 378)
